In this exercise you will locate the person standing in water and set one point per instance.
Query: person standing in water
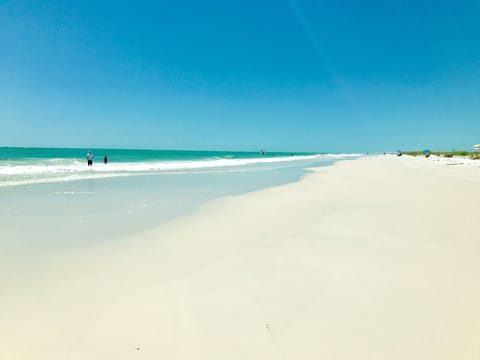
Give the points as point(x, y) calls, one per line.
point(89, 158)
point(105, 160)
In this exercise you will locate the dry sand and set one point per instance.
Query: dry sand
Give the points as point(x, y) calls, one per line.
point(377, 258)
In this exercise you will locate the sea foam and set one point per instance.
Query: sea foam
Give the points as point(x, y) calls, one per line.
point(28, 171)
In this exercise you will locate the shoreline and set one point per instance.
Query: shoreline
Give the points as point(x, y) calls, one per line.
point(39, 217)
point(372, 258)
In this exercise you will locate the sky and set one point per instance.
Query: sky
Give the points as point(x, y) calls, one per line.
point(283, 75)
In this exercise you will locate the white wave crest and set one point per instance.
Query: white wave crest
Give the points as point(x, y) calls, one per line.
point(54, 170)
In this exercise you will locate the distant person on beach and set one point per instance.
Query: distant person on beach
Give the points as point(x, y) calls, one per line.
point(105, 160)
point(89, 158)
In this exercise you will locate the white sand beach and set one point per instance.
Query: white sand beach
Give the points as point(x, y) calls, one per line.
point(375, 258)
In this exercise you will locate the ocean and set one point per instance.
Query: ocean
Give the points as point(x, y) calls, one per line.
point(20, 166)
point(50, 198)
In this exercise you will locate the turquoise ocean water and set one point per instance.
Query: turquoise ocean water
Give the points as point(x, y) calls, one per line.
point(130, 155)
point(38, 165)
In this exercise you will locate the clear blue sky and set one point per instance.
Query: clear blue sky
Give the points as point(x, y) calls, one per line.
point(293, 75)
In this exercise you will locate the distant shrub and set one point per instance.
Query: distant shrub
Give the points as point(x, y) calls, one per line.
point(471, 155)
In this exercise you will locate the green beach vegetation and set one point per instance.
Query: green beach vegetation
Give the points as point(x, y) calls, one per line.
point(475, 155)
